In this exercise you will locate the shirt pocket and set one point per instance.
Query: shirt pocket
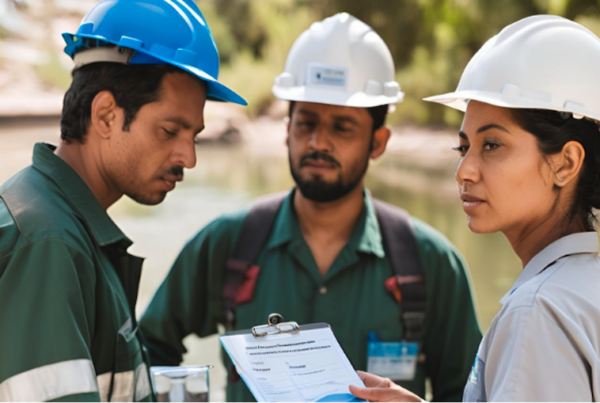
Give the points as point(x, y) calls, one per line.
point(130, 382)
point(475, 388)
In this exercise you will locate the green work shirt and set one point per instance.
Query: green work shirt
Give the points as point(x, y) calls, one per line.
point(351, 297)
point(67, 292)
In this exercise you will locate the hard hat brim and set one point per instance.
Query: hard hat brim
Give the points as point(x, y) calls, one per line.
point(216, 91)
point(460, 99)
point(333, 97)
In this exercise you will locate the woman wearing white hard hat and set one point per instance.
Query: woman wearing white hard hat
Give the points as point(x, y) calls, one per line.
point(530, 168)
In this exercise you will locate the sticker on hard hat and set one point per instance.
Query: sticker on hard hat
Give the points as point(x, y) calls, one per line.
point(325, 75)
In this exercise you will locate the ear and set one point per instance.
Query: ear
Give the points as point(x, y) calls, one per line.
point(567, 163)
point(379, 142)
point(104, 114)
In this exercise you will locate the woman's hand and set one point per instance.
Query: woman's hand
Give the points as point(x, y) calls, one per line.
point(380, 389)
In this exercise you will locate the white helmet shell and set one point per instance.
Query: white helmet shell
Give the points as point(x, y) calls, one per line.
point(539, 62)
point(339, 61)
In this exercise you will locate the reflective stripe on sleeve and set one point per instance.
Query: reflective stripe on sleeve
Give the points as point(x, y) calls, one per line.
point(142, 387)
point(124, 388)
point(50, 382)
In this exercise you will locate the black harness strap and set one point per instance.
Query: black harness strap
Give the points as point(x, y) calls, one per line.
point(401, 247)
point(399, 242)
point(254, 235)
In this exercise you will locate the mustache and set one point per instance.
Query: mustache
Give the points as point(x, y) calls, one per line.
point(175, 171)
point(317, 155)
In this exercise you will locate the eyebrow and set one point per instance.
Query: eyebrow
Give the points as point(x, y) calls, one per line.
point(182, 122)
point(482, 129)
point(305, 112)
point(338, 118)
point(346, 119)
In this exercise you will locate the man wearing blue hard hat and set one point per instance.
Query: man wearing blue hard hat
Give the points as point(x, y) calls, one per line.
point(143, 71)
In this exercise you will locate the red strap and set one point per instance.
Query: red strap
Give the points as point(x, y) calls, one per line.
point(392, 284)
point(246, 290)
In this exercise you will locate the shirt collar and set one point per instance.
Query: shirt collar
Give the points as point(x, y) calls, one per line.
point(370, 240)
point(285, 224)
point(366, 236)
point(79, 195)
point(579, 243)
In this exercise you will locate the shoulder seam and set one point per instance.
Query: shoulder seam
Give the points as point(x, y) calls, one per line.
point(12, 216)
point(67, 243)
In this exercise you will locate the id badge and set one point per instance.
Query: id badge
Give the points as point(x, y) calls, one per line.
point(394, 360)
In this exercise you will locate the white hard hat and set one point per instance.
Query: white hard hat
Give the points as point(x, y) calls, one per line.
point(339, 61)
point(539, 62)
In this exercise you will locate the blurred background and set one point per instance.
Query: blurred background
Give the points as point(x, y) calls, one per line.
point(242, 155)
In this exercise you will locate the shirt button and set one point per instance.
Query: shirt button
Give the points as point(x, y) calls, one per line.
point(323, 290)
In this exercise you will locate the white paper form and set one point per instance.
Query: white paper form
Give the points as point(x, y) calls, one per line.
point(309, 366)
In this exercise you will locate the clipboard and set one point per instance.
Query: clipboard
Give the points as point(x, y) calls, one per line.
point(283, 361)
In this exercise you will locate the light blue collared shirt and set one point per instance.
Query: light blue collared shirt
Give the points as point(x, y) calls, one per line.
point(544, 344)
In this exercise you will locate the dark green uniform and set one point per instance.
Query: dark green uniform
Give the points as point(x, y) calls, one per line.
point(351, 297)
point(67, 292)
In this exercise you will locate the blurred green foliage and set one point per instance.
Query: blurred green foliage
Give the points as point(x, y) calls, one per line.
point(253, 38)
point(431, 40)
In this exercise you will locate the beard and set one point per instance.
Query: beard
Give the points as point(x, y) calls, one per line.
point(320, 191)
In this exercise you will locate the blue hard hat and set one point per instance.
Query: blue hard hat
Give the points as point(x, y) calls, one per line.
point(157, 32)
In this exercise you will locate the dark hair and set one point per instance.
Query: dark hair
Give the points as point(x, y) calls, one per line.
point(378, 114)
point(553, 130)
point(133, 86)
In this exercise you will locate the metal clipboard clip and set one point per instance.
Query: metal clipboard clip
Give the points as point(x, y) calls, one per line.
point(275, 325)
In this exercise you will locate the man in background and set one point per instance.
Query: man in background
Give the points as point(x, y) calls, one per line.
point(327, 251)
